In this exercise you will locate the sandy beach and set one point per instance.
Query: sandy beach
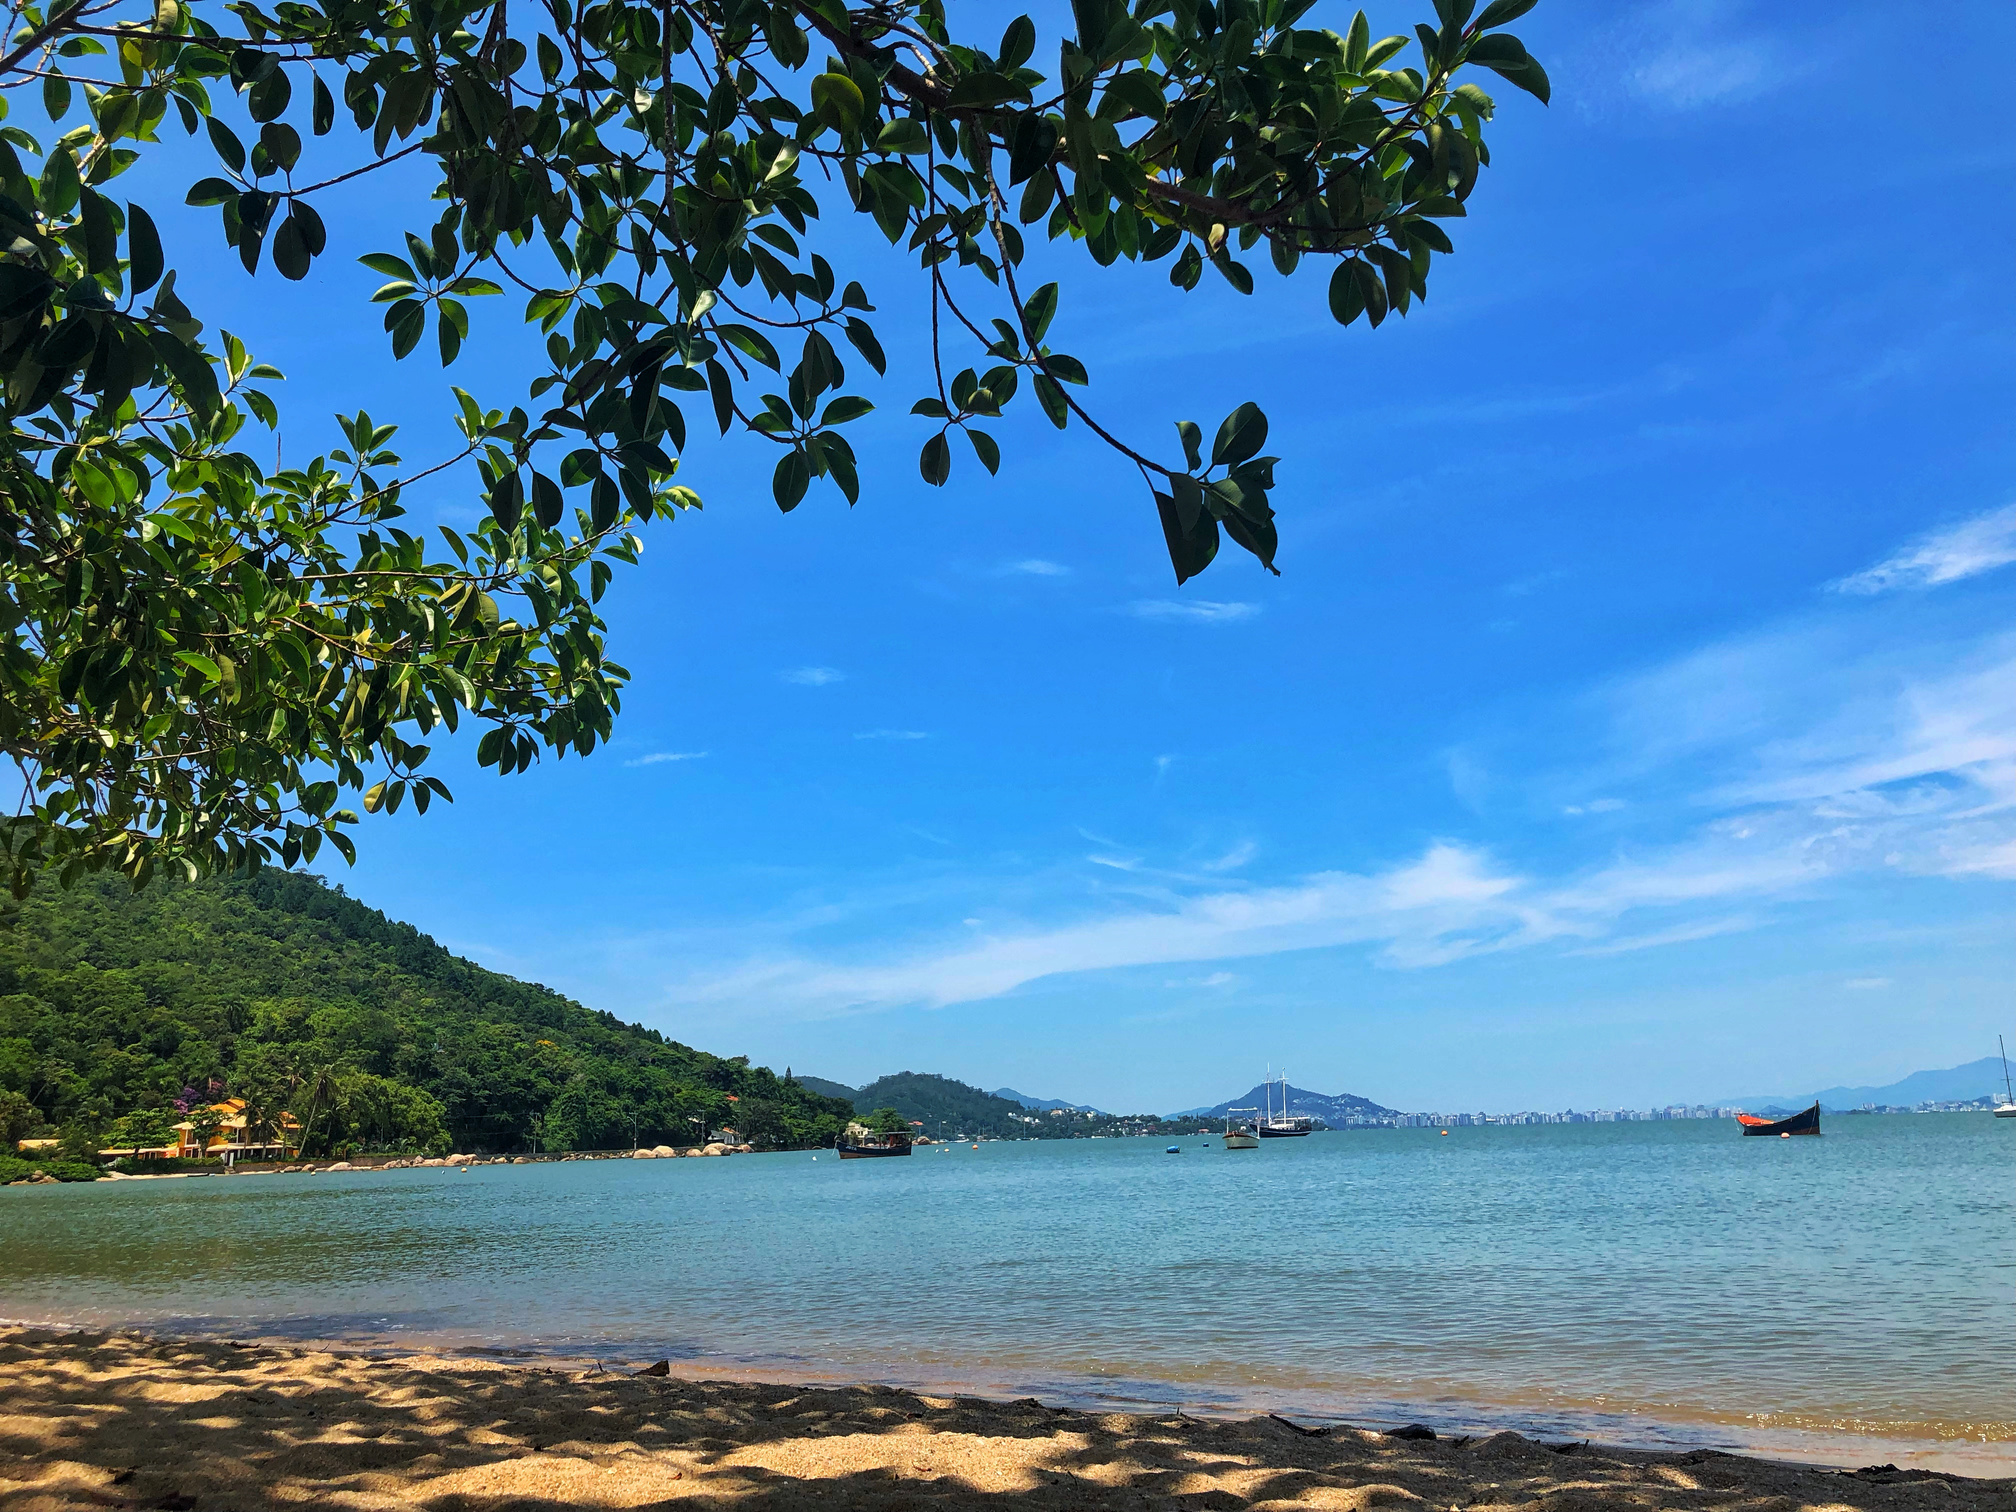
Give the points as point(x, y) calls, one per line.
point(125, 1421)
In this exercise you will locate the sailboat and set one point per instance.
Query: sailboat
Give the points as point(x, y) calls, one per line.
point(1281, 1125)
point(2008, 1105)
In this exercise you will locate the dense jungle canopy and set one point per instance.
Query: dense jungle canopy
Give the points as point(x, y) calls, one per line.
point(114, 1006)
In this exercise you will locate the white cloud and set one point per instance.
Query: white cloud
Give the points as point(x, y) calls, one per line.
point(1867, 984)
point(1215, 979)
point(1960, 551)
point(1688, 74)
point(657, 758)
point(1195, 611)
point(1037, 567)
point(813, 677)
point(1233, 859)
point(894, 735)
point(1596, 806)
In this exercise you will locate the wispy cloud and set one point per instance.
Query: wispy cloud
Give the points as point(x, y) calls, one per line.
point(1196, 611)
point(1215, 979)
point(1867, 984)
point(1233, 859)
point(659, 758)
point(1960, 551)
point(893, 735)
point(813, 677)
point(1775, 766)
point(1037, 567)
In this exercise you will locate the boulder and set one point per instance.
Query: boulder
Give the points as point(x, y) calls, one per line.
point(460, 1160)
point(433, 1161)
point(521, 1160)
point(342, 1165)
point(664, 1152)
point(717, 1148)
point(696, 1150)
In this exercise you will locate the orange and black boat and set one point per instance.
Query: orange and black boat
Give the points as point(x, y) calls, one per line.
point(1799, 1123)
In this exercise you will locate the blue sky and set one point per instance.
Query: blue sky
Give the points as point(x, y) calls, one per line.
point(1632, 720)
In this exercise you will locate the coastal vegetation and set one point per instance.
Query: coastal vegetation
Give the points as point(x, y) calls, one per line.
point(207, 664)
point(122, 1014)
point(950, 1109)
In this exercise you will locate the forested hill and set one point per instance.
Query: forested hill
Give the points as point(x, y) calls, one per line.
point(113, 1006)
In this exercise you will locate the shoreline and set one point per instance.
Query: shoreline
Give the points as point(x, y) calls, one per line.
point(1613, 1432)
point(132, 1421)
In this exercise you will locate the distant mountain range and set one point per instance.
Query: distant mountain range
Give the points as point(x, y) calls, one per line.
point(1333, 1108)
point(1981, 1078)
point(1042, 1104)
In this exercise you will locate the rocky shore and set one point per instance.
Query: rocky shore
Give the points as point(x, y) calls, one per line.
point(129, 1422)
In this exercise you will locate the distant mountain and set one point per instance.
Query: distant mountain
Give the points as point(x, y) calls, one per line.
point(1981, 1078)
point(1042, 1104)
point(947, 1109)
point(1334, 1109)
point(824, 1087)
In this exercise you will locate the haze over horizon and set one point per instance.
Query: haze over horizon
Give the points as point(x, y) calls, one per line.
point(1633, 719)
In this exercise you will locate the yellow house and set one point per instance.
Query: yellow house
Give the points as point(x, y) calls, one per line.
point(228, 1141)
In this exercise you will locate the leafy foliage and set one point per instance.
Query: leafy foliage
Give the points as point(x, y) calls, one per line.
point(115, 1006)
point(201, 656)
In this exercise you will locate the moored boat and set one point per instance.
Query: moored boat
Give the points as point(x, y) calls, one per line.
point(2007, 1107)
point(1238, 1136)
point(873, 1146)
point(1282, 1125)
point(1799, 1123)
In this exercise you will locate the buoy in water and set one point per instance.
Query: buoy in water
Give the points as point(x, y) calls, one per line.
point(1445, 1133)
point(1784, 1136)
point(1173, 1150)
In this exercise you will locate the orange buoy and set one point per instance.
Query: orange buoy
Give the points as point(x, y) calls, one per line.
point(1445, 1133)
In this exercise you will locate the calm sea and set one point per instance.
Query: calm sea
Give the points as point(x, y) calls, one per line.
point(1667, 1282)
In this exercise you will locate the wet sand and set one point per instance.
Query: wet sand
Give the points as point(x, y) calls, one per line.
point(126, 1421)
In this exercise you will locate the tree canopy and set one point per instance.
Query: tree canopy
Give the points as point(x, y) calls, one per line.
point(119, 1010)
point(202, 656)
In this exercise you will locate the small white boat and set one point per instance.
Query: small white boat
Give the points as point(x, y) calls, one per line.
point(1239, 1136)
point(2007, 1108)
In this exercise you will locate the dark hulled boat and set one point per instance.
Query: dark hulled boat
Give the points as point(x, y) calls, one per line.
point(1799, 1123)
point(874, 1148)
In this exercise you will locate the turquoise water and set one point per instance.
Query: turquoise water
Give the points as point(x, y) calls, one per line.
point(1656, 1282)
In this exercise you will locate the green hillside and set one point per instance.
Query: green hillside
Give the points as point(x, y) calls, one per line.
point(282, 989)
point(947, 1109)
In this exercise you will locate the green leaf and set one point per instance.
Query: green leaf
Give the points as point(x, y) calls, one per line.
point(846, 407)
point(1031, 143)
point(903, 135)
point(1193, 442)
point(1039, 311)
point(1347, 297)
point(1190, 533)
point(211, 191)
point(1241, 436)
point(290, 250)
point(323, 116)
point(1017, 43)
point(986, 449)
point(143, 244)
point(547, 503)
point(837, 101)
point(792, 477)
point(1498, 12)
point(390, 266)
point(935, 461)
point(507, 500)
point(101, 241)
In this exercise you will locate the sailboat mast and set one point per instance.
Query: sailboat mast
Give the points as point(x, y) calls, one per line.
point(2005, 1068)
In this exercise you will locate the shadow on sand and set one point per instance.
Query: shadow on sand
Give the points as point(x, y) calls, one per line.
point(117, 1421)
